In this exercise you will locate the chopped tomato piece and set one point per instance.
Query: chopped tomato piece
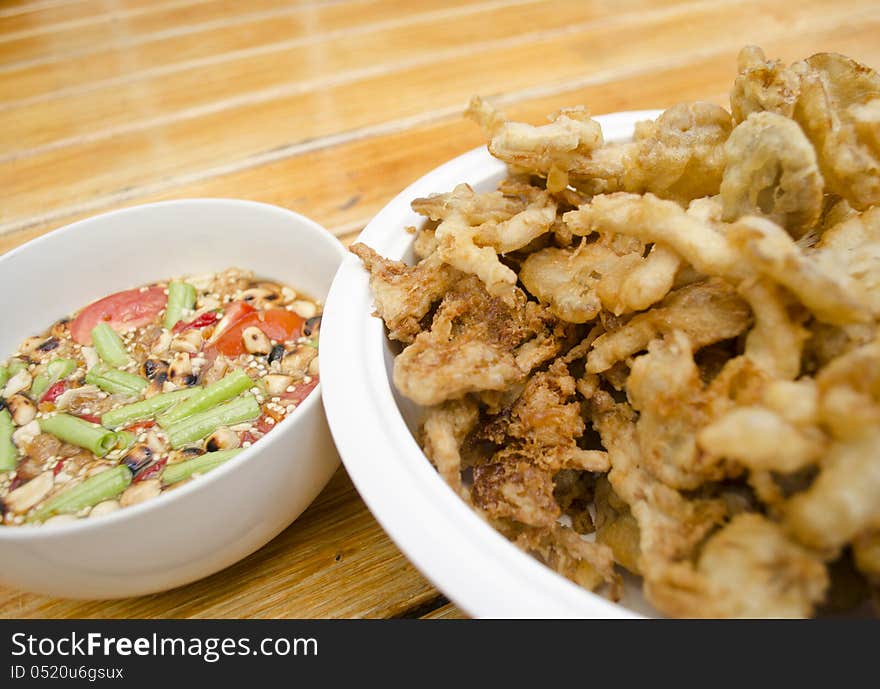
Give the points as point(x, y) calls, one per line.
point(235, 310)
point(122, 311)
point(54, 392)
point(262, 424)
point(248, 437)
point(280, 325)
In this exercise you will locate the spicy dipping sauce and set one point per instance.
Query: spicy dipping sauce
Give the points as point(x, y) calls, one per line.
point(145, 389)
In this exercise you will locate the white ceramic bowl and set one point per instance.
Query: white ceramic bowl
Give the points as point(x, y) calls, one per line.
point(476, 567)
point(223, 516)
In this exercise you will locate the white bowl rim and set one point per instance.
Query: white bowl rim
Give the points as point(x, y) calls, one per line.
point(26, 532)
point(461, 536)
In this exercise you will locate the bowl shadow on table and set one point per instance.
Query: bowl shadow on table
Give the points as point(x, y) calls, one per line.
point(334, 561)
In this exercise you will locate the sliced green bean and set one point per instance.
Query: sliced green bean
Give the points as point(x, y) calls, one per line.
point(16, 366)
point(71, 429)
point(202, 464)
point(8, 451)
point(104, 486)
point(115, 381)
point(198, 426)
point(231, 385)
point(124, 440)
point(145, 409)
point(109, 345)
point(181, 297)
point(57, 369)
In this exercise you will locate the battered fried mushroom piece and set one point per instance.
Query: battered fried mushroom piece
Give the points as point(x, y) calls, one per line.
point(654, 220)
point(551, 150)
point(774, 433)
point(771, 171)
point(476, 342)
point(544, 425)
point(839, 110)
point(405, 294)
point(706, 312)
point(515, 489)
point(474, 248)
point(851, 249)
point(665, 387)
point(670, 526)
point(829, 292)
point(611, 273)
point(842, 501)
point(444, 430)
point(680, 156)
point(763, 85)
point(616, 527)
point(489, 207)
point(849, 392)
point(563, 550)
point(748, 569)
point(866, 552)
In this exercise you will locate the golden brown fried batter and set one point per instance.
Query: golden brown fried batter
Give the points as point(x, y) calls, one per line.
point(476, 342)
point(404, 295)
point(680, 156)
point(664, 386)
point(551, 150)
point(763, 85)
point(839, 110)
point(706, 312)
point(748, 569)
point(771, 170)
point(444, 430)
point(515, 489)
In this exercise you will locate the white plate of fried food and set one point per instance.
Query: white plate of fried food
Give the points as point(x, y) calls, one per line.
point(631, 363)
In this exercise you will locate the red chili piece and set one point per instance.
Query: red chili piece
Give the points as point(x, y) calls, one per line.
point(151, 471)
point(206, 319)
point(54, 392)
point(90, 417)
point(58, 467)
point(140, 426)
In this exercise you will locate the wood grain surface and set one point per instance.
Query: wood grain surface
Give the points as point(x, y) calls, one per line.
point(330, 108)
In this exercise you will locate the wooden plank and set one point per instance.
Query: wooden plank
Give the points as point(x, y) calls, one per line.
point(343, 185)
point(446, 612)
point(45, 16)
point(129, 159)
point(335, 546)
point(59, 41)
point(345, 57)
point(219, 44)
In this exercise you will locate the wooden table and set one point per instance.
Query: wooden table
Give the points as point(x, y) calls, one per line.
point(330, 108)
